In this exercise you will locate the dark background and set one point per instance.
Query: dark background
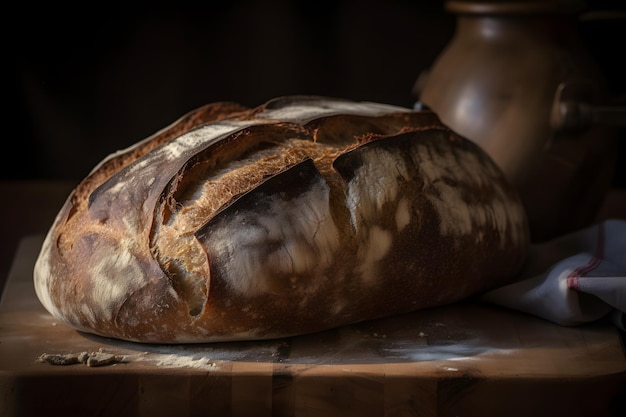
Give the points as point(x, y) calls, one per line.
point(90, 83)
point(85, 82)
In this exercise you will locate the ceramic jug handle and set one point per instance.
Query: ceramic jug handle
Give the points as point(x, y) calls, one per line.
point(573, 109)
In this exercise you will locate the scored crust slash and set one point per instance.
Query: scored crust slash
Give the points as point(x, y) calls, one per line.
point(300, 215)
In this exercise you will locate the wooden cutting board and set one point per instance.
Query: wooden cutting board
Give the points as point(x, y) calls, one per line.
point(461, 360)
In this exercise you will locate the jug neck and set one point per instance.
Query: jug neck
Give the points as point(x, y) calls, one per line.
point(498, 23)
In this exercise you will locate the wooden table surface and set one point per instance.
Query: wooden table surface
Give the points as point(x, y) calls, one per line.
point(461, 360)
point(467, 359)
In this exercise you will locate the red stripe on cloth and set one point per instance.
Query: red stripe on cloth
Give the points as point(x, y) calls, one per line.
point(594, 262)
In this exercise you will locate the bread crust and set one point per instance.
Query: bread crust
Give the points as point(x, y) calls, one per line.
point(300, 215)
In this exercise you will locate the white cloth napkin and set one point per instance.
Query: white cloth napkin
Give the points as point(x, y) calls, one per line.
point(573, 279)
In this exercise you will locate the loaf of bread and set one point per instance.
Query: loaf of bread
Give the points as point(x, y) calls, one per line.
point(303, 214)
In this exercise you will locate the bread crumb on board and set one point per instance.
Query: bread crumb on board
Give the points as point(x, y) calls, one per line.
point(92, 359)
point(167, 358)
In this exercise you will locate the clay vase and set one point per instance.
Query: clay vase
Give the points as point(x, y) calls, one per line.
point(516, 79)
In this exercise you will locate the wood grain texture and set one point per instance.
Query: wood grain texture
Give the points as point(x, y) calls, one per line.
point(465, 359)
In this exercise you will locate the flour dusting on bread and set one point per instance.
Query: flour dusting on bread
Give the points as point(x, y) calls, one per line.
point(302, 214)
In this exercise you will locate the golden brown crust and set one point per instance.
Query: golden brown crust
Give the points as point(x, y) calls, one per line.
point(208, 113)
point(322, 210)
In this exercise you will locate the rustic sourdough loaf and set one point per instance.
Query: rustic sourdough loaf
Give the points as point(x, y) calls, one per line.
point(303, 214)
